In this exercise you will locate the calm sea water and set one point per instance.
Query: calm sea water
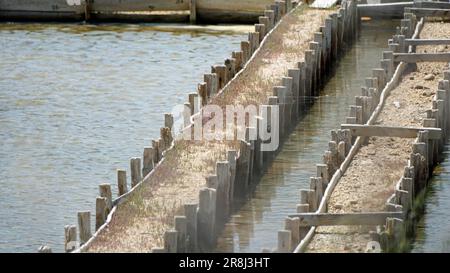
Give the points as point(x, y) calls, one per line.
point(255, 225)
point(76, 102)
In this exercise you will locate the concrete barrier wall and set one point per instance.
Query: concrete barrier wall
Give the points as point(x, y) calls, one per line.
point(76, 6)
point(233, 11)
point(139, 5)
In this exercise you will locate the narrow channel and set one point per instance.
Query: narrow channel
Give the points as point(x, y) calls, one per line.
point(76, 102)
point(254, 226)
point(433, 228)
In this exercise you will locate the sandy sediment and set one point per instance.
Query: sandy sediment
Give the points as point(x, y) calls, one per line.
point(139, 223)
point(377, 167)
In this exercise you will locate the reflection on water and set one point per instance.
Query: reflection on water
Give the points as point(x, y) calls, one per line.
point(76, 102)
point(433, 229)
point(255, 225)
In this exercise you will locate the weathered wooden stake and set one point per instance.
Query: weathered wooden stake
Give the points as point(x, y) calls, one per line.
point(190, 211)
point(101, 211)
point(170, 241)
point(70, 238)
point(284, 241)
point(105, 191)
point(135, 167)
point(84, 226)
point(181, 228)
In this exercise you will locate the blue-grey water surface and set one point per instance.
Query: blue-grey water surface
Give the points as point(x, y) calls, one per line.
point(76, 102)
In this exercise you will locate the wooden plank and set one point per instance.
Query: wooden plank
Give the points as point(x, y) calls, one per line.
point(421, 57)
point(427, 41)
point(432, 4)
point(388, 10)
point(324, 4)
point(390, 131)
point(345, 219)
point(423, 12)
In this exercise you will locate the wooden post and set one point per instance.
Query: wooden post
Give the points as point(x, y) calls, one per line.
point(231, 157)
point(253, 38)
point(190, 210)
point(155, 146)
point(242, 168)
point(135, 167)
point(193, 101)
point(212, 84)
point(223, 191)
point(105, 191)
point(276, 13)
point(193, 11)
point(309, 66)
point(317, 64)
point(101, 207)
point(302, 208)
point(221, 71)
point(334, 164)
point(304, 197)
point(148, 156)
point(322, 172)
point(249, 133)
point(87, 10)
point(302, 87)
point(266, 22)
point(271, 15)
point(261, 29)
point(288, 100)
point(170, 241)
point(334, 34)
point(168, 120)
point(295, 75)
point(70, 238)
point(84, 226)
point(245, 48)
point(238, 57)
point(341, 152)
point(281, 93)
point(284, 241)
point(203, 93)
point(122, 182)
point(293, 225)
point(181, 228)
point(316, 184)
point(207, 218)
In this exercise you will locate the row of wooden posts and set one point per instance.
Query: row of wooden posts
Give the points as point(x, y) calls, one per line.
point(398, 221)
point(426, 152)
point(340, 148)
point(197, 230)
point(152, 155)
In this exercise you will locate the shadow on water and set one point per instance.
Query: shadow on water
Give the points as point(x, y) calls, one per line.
point(258, 218)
